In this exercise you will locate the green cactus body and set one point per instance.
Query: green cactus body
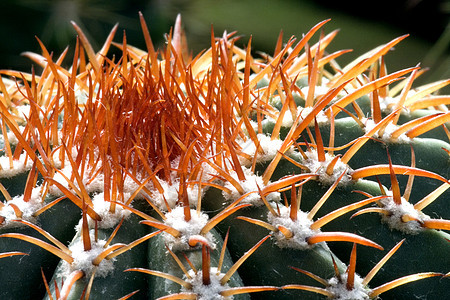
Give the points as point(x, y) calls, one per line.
point(159, 259)
point(256, 271)
point(279, 169)
point(26, 280)
point(107, 270)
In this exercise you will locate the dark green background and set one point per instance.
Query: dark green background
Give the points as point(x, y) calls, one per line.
point(364, 25)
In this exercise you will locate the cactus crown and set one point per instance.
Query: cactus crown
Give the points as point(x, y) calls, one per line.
point(159, 148)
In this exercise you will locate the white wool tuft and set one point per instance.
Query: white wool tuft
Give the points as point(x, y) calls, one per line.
point(170, 195)
point(270, 149)
point(207, 292)
point(287, 120)
point(82, 260)
point(396, 212)
point(300, 228)
point(340, 292)
point(92, 185)
point(321, 118)
point(130, 186)
point(253, 124)
point(53, 189)
point(27, 208)
point(319, 90)
point(388, 104)
point(102, 208)
point(320, 168)
point(81, 95)
point(250, 184)
point(386, 137)
point(11, 136)
point(176, 220)
point(24, 110)
point(19, 166)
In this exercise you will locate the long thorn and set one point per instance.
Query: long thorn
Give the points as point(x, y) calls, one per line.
point(341, 237)
point(380, 264)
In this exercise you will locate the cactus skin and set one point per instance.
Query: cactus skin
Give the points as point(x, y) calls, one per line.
point(158, 130)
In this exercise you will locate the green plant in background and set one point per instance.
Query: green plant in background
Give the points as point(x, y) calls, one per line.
point(159, 174)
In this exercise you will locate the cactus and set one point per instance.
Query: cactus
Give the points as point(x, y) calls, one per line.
point(223, 176)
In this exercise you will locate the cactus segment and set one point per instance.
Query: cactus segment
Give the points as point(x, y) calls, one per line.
point(351, 286)
point(100, 270)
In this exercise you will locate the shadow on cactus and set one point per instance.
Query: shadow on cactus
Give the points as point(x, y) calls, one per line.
point(152, 161)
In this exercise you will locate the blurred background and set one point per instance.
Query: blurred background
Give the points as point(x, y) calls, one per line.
point(363, 26)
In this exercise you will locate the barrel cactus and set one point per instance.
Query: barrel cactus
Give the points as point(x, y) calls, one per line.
point(224, 175)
